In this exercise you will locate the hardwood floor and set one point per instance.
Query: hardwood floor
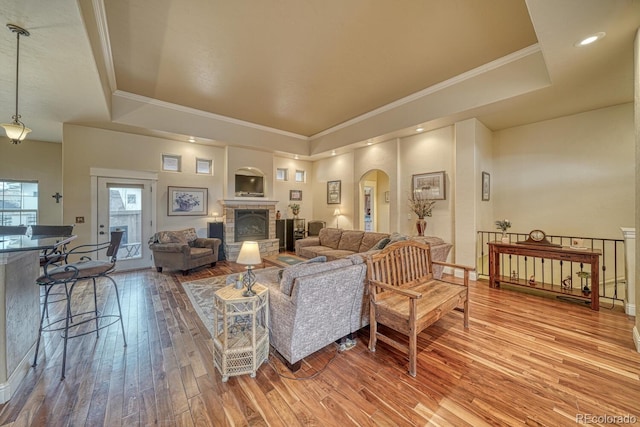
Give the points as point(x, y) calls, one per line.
point(525, 360)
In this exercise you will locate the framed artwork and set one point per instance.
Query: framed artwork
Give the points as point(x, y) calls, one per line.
point(333, 192)
point(432, 185)
point(204, 166)
point(386, 196)
point(171, 163)
point(295, 195)
point(182, 201)
point(486, 186)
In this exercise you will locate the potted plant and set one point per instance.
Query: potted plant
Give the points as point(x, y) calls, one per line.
point(421, 206)
point(295, 208)
point(584, 275)
point(503, 225)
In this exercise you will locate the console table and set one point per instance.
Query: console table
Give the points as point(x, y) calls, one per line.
point(562, 253)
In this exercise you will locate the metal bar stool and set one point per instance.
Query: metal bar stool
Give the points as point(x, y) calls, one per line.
point(69, 274)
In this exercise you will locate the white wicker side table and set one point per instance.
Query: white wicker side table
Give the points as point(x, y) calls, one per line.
point(241, 330)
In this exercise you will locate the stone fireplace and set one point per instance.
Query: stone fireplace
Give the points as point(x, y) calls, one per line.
point(250, 220)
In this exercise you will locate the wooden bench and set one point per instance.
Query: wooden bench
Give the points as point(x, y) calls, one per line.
point(405, 297)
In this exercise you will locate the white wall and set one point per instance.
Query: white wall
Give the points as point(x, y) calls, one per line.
point(40, 161)
point(568, 176)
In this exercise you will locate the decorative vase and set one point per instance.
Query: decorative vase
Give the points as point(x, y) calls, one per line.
point(295, 212)
point(421, 225)
point(505, 238)
point(278, 215)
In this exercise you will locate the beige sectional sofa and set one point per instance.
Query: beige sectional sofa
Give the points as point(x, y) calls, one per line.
point(336, 243)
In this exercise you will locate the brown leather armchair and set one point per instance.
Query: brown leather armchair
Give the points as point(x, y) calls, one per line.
point(183, 250)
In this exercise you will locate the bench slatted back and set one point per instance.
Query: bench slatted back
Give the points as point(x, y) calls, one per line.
point(403, 264)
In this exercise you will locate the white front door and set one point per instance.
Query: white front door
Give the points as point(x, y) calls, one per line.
point(126, 204)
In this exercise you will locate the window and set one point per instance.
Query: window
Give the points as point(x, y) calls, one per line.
point(282, 174)
point(300, 176)
point(171, 163)
point(18, 202)
point(204, 166)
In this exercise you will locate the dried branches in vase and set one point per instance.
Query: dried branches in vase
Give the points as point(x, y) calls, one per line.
point(421, 206)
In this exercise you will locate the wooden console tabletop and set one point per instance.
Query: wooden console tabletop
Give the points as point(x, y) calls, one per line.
point(563, 253)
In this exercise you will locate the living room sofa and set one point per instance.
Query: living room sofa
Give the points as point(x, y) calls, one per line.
point(336, 243)
point(183, 250)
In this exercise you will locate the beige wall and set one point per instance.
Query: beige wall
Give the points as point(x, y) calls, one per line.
point(41, 161)
point(85, 147)
point(427, 152)
point(567, 176)
point(636, 48)
point(282, 188)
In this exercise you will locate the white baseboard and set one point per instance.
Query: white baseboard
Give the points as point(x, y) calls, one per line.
point(630, 309)
point(8, 388)
point(636, 338)
point(460, 273)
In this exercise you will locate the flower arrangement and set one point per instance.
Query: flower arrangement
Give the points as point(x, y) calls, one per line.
point(503, 225)
point(294, 206)
point(421, 205)
point(186, 201)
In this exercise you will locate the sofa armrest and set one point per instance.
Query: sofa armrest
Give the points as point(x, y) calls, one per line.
point(307, 241)
point(207, 242)
point(170, 247)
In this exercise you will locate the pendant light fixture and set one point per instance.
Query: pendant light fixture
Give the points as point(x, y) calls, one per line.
point(16, 130)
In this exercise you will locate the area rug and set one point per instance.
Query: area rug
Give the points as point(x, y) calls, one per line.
point(200, 292)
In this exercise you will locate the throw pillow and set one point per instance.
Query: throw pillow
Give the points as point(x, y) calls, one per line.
point(397, 237)
point(381, 243)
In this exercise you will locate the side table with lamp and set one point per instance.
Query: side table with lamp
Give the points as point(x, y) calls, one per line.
point(241, 321)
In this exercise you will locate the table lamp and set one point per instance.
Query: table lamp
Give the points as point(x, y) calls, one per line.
point(336, 213)
point(249, 256)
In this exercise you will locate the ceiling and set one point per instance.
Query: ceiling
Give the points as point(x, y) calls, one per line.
point(309, 77)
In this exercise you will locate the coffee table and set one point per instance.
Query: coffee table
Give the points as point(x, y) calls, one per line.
point(284, 260)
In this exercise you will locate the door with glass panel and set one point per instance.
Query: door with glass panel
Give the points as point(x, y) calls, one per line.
point(125, 204)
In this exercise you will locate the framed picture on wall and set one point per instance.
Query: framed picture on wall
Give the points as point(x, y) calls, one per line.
point(183, 201)
point(486, 186)
point(295, 195)
point(432, 185)
point(333, 192)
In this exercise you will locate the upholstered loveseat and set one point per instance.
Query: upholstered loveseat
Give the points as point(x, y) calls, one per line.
point(336, 243)
point(313, 304)
point(183, 250)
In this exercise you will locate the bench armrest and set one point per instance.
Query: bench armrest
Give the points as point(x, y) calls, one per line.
point(406, 292)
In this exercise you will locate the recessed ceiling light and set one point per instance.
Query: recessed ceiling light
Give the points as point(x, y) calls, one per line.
point(419, 129)
point(333, 153)
point(590, 39)
point(369, 142)
point(191, 139)
point(296, 157)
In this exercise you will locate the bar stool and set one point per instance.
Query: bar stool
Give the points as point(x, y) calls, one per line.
point(69, 274)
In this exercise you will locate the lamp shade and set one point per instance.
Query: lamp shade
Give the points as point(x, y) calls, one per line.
point(249, 254)
point(336, 212)
point(16, 131)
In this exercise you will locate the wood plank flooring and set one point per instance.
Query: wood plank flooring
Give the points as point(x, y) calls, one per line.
point(525, 360)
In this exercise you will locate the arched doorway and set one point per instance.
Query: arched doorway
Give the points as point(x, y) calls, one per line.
point(373, 203)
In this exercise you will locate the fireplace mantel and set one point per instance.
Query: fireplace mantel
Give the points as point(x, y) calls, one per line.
point(247, 201)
